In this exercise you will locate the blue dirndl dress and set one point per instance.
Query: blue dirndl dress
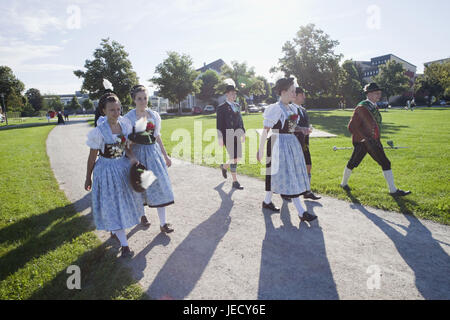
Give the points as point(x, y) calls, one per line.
point(159, 193)
point(115, 205)
point(286, 173)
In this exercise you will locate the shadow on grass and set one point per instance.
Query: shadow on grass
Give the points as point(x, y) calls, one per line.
point(418, 248)
point(103, 277)
point(294, 263)
point(188, 261)
point(338, 124)
point(62, 225)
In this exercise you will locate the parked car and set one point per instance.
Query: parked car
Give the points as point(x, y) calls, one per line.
point(252, 108)
point(382, 104)
point(442, 103)
point(196, 110)
point(262, 106)
point(209, 109)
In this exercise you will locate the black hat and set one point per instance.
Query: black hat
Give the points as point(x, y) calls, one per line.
point(229, 88)
point(135, 177)
point(299, 90)
point(372, 87)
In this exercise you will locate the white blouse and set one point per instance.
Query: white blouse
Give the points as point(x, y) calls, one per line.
point(95, 138)
point(132, 116)
point(273, 113)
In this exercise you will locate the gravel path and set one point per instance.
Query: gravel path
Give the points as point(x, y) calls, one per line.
point(226, 247)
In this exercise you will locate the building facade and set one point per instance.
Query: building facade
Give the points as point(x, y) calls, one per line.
point(372, 68)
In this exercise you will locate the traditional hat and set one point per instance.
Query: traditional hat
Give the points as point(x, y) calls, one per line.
point(372, 87)
point(230, 85)
point(140, 177)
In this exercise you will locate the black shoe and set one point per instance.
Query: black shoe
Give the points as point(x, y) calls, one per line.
point(224, 171)
point(400, 193)
point(166, 228)
point(126, 252)
point(346, 187)
point(307, 217)
point(270, 206)
point(145, 222)
point(310, 195)
point(236, 185)
point(286, 199)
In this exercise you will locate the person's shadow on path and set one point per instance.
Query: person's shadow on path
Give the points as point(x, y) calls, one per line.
point(294, 262)
point(186, 264)
point(418, 248)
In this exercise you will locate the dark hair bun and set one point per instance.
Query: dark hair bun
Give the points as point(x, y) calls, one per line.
point(283, 84)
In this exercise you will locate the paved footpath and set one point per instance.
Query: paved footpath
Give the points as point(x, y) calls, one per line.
point(226, 247)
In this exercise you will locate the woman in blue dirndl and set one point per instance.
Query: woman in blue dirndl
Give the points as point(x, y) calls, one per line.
point(115, 205)
point(286, 174)
point(149, 150)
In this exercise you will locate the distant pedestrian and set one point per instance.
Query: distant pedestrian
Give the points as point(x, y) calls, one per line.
point(60, 118)
point(66, 116)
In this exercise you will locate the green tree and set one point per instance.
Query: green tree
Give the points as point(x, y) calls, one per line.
point(209, 79)
point(88, 104)
point(176, 78)
point(110, 62)
point(349, 83)
point(311, 59)
point(435, 81)
point(12, 88)
point(35, 98)
point(54, 103)
point(244, 78)
point(392, 79)
point(74, 105)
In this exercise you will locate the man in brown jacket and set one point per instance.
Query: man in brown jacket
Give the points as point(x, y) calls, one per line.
point(365, 127)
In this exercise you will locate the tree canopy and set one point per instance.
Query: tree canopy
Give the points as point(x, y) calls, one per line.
point(392, 79)
point(311, 59)
point(176, 78)
point(110, 62)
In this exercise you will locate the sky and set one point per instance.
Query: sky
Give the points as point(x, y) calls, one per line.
point(43, 42)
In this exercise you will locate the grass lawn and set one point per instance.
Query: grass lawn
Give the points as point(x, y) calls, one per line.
point(423, 168)
point(41, 234)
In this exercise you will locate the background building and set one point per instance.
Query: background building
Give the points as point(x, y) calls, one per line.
point(372, 68)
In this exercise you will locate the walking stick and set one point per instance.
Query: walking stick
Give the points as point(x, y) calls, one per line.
point(390, 144)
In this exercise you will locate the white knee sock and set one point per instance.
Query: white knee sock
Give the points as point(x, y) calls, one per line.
point(162, 215)
point(268, 198)
point(298, 206)
point(347, 173)
point(122, 237)
point(390, 180)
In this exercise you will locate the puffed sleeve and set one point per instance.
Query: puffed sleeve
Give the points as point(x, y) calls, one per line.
point(271, 115)
point(127, 127)
point(158, 124)
point(100, 120)
point(95, 139)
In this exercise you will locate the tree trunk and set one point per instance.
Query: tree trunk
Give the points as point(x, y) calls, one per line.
point(179, 108)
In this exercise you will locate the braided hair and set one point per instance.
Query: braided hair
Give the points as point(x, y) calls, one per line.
point(136, 89)
point(108, 96)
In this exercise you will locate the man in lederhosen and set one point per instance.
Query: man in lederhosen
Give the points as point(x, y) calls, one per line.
point(231, 132)
point(365, 126)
